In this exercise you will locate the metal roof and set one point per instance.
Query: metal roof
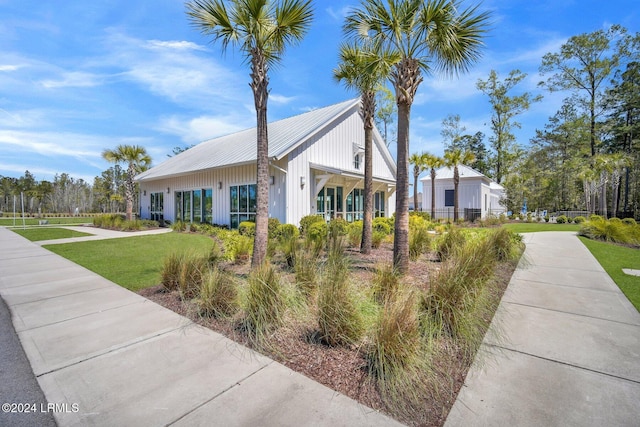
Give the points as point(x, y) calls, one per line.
point(240, 148)
point(464, 172)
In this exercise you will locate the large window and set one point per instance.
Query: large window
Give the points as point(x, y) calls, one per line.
point(378, 204)
point(194, 205)
point(449, 198)
point(157, 207)
point(355, 205)
point(243, 203)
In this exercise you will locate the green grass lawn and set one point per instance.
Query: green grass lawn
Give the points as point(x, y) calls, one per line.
point(613, 259)
point(8, 222)
point(131, 262)
point(48, 233)
point(532, 227)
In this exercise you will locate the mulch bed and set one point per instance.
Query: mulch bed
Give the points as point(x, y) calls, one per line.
point(342, 369)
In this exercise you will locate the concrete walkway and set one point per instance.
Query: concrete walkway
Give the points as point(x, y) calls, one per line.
point(99, 234)
point(107, 356)
point(570, 348)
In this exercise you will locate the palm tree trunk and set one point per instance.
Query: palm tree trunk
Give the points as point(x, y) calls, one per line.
point(128, 192)
point(368, 106)
point(415, 192)
point(456, 181)
point(401, 233)
point(433, 194)
point(259, 84)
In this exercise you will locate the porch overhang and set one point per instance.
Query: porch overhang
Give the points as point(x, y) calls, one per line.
point(347, 179)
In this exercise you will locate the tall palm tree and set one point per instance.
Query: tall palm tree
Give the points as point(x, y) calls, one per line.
point(137, 161)
point(429, 35)
point(261, 29)
point(433, 162)
point(418, 162)
point(453, 159)
point(363, 69)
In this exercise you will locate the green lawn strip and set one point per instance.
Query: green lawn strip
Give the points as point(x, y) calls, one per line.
point(9, 222)
point(48, 233)
point(613, 259)
point(132, 262)
point(532, 227)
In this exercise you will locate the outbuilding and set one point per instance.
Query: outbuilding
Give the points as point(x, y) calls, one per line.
point(316, 168)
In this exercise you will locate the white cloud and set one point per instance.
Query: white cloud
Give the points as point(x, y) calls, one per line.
point(194, 130)
point(9, 67)
point(339, 14)
point(281, 99)
point(74, 79)
point(175, 44)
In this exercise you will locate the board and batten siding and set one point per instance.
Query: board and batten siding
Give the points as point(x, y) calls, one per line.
point(334, 148)
point(242, 174)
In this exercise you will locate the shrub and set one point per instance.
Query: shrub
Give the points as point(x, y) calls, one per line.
point(179, 226)
point(615, 220)
point(601, 229)
point(193, 268)
point(290, 247)
point(306, 221)
point(338, 226)
point(386, 283)
point(247, 228)
point(133, 225)
point(579, 219)
point(338, 318)
point(381, 225)
point(218, 294)
point(170, 273)
point(449, 242)
point(419, 242)
point(215, 255)
point(629, 221)
point(273, 227)
point(569, 220)
point(377, 238)
point(317, 235)
point(287, 231)
point(561, 219)
point(354, 234)
point(242, 248)
point(306, 273)
point(419, 214)
point(546, 218)
point(265, 302)
point(594, 217)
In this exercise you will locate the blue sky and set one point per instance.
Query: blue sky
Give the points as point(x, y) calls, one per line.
point(77, 77)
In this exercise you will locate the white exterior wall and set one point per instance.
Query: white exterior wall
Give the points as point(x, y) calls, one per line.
point(473, 194)
point(332, 148)
point(245, 174)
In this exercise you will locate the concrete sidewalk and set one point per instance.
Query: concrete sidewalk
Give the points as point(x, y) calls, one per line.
point(570, 348)
point(99, 234)
point(106, 356)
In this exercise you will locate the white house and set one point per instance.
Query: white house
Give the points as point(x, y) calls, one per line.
point(316, 167)
point(479, 196)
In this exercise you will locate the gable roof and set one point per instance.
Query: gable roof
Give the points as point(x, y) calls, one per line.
point(446, 172)
point(240, 147)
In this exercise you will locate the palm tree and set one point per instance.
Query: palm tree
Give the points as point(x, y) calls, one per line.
point(137, 161)
point(433, 162)
point(431, 35)
point(418, 162)
point(261, 30)
point(362, 69)
point(453, 159)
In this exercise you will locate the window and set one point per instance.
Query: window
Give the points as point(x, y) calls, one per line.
point(378, 204)
point(194, 206)
point(356, 161)
point(449, 198)
point(355, 205)
point(157, 206)
point(243, 203)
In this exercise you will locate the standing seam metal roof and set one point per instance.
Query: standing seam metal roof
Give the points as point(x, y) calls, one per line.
point(240, 147)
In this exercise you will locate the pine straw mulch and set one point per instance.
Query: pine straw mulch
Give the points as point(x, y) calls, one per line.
point(344, 369)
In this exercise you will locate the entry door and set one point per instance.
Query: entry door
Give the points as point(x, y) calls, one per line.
point(330, 203)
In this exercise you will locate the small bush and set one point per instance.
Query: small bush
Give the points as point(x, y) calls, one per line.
point(419, 214)
point(594, 217)
point(247, 228)
point(306, 221)
point(546, 218)
point(381, 225)
point(273, 228)
point(242, 249)
point(579, 219)
point(287, 231)
point(569, 220)
point(265, 302)
point(290, 247)
point(354, 234)
point(338, 226)
point(615, 220)
point(179, 226)
point(419, 242)
point(449, 242)
point(215, 255)
point(385, 283)
point(193, 268)
point(504, 244)
point(306, 273)
point(616, 231)
point(561, 219)
point(629, 221)
point(133, 225)
point(218, 294)
point(170, 273)
point(317, 235)
point(338, 318)
point(377, 238)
